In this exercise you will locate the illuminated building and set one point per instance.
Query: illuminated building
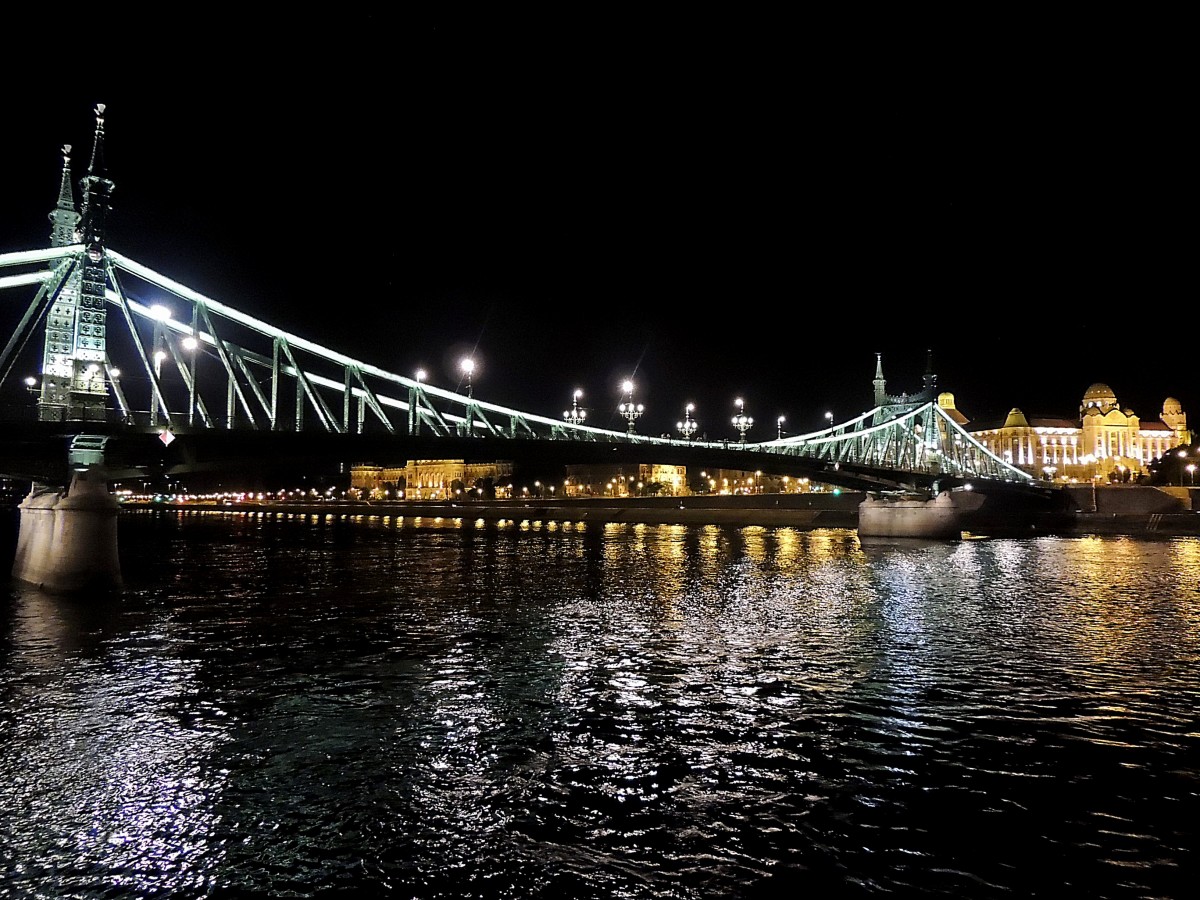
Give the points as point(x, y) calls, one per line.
point(442, 479)
point(427, 479)
point(377, 482)
point(624, 481)
point(1106, 443)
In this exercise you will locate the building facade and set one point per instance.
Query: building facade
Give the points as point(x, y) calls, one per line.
point(1106, 443)
point(429, 479)
point(624, 481)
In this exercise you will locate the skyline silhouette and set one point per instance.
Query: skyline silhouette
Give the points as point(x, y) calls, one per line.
point(695, 207)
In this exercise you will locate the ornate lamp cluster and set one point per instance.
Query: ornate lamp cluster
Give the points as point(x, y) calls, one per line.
point(627, 408)
point(575, 415)
point(741, 421)
point(689, 425)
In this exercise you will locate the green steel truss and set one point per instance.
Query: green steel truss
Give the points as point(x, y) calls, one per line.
point(207, 365)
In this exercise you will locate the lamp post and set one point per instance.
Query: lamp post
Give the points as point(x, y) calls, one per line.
point(575, 415)
point(779, 431)
point(829, 418)
point(468, 367)
point(741, 421)
point(627, 408)
point(689, 425)
point(1191, 470)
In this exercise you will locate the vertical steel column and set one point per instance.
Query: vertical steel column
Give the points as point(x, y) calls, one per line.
point(192, 368)
point(274, 384)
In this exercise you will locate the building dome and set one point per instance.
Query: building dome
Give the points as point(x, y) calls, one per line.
point(1099, 393)
point(1098, 397)
point(1016, 419)
point(1171, 407)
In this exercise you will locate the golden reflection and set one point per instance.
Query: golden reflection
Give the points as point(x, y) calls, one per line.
point(787, 547)
point(754, 535)
point(1112, 617)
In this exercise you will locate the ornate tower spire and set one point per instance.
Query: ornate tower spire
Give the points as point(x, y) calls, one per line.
point(64, 218)
point(880, 383)
point(96, 189)
point(74, 386)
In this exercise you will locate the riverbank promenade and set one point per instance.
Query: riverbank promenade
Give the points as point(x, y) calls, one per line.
point(1108, 509)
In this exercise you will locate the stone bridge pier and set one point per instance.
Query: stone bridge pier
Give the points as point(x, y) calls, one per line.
point(68, 538)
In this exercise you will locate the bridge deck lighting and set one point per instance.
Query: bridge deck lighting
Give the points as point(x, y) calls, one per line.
point(190, 343)
point(160, 312)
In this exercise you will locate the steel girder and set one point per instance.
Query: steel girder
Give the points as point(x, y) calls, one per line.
point(253, 361)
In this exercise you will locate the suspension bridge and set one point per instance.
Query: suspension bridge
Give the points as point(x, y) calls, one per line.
point(188, 382)
point(210, 376)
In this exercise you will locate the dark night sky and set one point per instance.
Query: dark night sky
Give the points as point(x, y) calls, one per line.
point(720, 208)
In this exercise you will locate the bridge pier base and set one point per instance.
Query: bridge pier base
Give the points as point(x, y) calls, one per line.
point(936, 519)
point(68, 539)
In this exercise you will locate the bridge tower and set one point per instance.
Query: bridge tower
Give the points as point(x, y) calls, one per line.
point(73, 356)
point(892, 405)
point(67, 540)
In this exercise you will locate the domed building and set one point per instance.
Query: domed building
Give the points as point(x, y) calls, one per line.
point(1107, 443)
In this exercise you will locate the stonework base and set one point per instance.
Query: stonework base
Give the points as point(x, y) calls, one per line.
point(938, 518)
point(68, 540)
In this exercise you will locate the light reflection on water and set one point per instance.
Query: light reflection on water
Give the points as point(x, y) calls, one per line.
point(292, 704)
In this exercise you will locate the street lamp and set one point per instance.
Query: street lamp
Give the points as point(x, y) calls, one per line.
point(689, 425)
point(575, 415)
point(779, 433)
point(741, 421)
point(1191, 470)
point(627, 408)
point(829, 418)
point(468, 367)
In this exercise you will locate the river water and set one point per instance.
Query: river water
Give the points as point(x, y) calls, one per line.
point(281, 705)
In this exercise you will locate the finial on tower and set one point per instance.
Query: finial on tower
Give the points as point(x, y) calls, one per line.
point(64, 217)
point(880, 383)
point(96, 189)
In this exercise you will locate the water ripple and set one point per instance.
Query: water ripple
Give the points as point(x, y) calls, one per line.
point(292, 707)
